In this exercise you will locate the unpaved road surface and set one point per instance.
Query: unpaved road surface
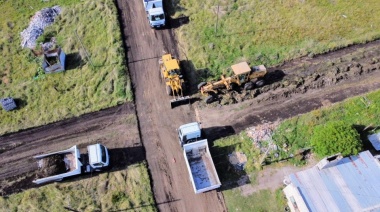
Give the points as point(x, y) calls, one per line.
point(158, 122)
point(304, 84)
point(116, 128)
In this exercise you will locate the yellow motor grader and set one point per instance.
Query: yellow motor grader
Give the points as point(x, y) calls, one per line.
point(173, 78)
point(243, 76)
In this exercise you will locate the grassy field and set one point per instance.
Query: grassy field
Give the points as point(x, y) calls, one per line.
point(270, 32)
point(87, 84)
point(126, 190)
point(264, 200)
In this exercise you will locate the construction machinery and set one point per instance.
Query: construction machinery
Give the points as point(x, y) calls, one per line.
point(173, 78)
point(243, 76)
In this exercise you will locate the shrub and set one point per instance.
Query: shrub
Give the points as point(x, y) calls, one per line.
point(336, 137)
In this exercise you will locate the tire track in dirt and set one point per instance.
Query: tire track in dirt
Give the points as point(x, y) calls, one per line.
point(171, 185)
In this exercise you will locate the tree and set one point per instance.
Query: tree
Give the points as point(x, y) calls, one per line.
point(336, 137)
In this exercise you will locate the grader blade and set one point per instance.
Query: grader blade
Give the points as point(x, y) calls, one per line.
point(179, 101)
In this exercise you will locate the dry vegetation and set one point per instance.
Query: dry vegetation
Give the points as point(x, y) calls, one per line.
point(124, 190)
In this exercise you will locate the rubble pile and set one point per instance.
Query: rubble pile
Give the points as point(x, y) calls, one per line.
point(39, 21)
point(262, 133)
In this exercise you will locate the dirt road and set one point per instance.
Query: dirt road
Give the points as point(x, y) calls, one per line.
point(116, 128)
point(171, 184)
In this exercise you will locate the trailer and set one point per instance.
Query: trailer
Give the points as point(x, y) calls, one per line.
point(203, 175)
point(58, 165)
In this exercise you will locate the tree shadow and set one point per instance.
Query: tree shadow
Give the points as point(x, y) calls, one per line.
point(364, 132)
point(73, 61)
point(230, 175)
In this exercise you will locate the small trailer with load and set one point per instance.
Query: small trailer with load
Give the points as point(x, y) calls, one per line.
point(56, 166)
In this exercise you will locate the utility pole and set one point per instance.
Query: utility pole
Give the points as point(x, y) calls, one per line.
point(217, 19)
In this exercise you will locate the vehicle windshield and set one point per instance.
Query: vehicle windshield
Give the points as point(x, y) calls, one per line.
point(157, 17)
point(104, 156)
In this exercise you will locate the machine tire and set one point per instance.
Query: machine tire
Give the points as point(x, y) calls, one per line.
point(209, 99)
point(234, 86)
point(169, 90)
point(248, 86)
point(260, 83)
point(200, 85)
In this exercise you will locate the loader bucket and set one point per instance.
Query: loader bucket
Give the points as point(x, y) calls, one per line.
point(179, 101)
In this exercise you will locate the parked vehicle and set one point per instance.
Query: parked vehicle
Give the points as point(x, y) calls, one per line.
point(56, 166)
point(174, 81)
point(243, 75)
point(155, 13)
point(203, 175)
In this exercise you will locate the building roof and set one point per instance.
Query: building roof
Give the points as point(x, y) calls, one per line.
point(347, 184)
point(375, 140)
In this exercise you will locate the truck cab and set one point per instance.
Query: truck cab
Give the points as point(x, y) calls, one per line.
point(188, 133)
point(155, 13)
point(98, 156)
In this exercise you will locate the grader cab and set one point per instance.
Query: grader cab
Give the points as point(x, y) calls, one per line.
point(243, 76)
point(173, 78)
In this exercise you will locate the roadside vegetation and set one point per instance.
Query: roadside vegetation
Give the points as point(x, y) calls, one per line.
point(124, 190)
point(221, 33)
point(96, 75)
point(358, 117)
point(264, 200)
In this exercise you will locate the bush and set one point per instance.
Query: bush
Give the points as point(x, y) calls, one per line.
point(336, 137)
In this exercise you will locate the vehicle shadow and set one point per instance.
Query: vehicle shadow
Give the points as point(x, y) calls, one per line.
point(177, 22)
point(231, 176)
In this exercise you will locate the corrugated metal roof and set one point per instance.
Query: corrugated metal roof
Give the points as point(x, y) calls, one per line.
point(375, 140)
point(353, 184)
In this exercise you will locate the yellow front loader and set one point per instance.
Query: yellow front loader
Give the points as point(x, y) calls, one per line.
point(173, 78)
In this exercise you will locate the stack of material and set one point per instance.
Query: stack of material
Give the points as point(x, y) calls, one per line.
point(261, 133)
point(238, 160)
point(8, 103)
point(39, 21)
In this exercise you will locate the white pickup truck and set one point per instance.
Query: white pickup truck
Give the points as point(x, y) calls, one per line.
point(203, 175)
point(155, 13)
point(56, 166)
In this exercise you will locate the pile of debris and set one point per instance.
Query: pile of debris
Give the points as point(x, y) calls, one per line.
point(238, 160)
point(52, 165)
point(39, 21)
point(262, 133)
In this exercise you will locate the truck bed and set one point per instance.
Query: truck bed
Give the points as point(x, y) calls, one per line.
point(58, 165)
point(201, 167)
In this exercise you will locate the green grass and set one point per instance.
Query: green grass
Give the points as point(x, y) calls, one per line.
point(270, 32)
point(264, 200)
point(361, 112)
point(126, 190)
point(81, 89)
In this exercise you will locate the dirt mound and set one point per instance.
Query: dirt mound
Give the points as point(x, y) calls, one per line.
point(52, 165)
